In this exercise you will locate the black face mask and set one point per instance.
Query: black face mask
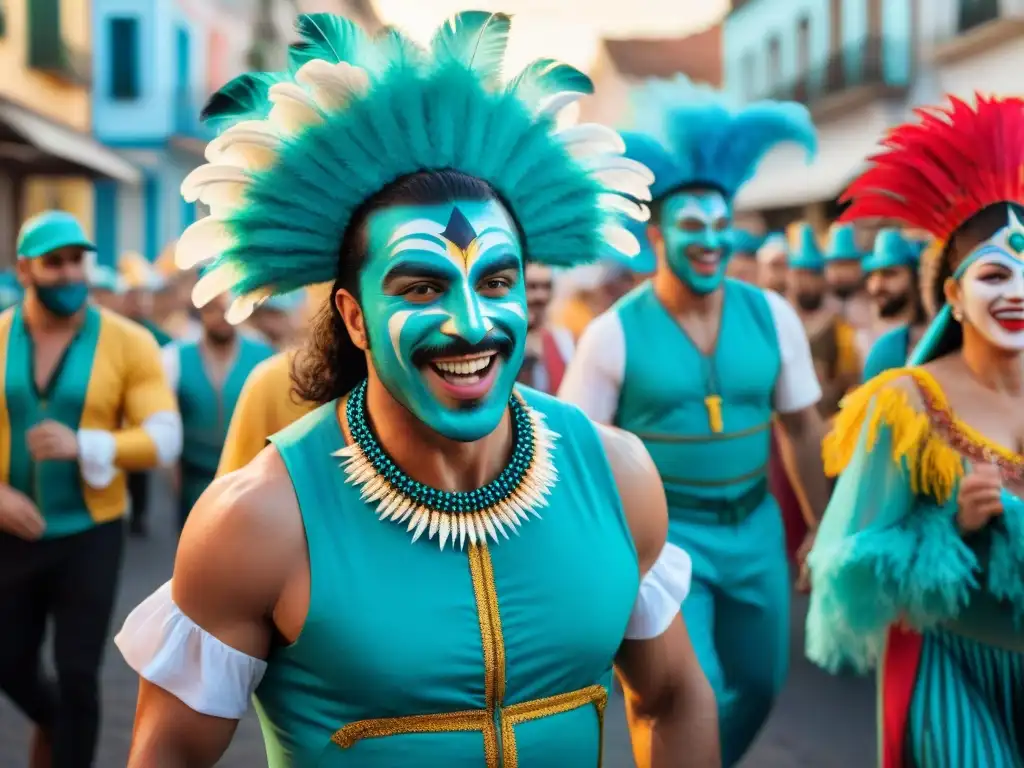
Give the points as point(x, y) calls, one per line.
point(844, 292)
point(809, 302)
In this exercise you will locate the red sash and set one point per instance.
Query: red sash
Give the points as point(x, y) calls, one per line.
point(554, 363)
point(899, 673)
point(788, 501)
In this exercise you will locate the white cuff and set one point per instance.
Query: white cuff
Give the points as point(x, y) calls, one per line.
point(96, 452)
point(164, 429)
point(662, 591)
point(168, 649)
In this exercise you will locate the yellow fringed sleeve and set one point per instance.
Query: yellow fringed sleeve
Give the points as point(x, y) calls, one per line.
point(933, 466)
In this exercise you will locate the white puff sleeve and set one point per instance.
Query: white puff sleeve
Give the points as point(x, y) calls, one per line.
point(169, 650)
point(662, 591)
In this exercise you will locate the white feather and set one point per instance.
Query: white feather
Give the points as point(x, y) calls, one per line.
point(333, 85)
point(220, 279)
point(590, 139)
point(202, 241)
point(624, 182)
point(618, 162)
point(251, 145)
point(621, 239)
point(243, 306)
point(552, 105)
point(221, 187)
point(620, 204)
point(294, 109)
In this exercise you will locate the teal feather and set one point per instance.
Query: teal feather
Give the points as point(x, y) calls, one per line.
point(243, 98)
point(397, 50)
point(475, 39)
point(546, 77)
point(328, 37)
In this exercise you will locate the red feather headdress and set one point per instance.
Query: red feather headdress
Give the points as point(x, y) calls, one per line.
point(937, 173)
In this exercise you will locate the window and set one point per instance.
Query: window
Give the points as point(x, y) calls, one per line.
point(3, 18)
point(803, 45)
point(124, 59)
point(45, 45)
point(774, 62)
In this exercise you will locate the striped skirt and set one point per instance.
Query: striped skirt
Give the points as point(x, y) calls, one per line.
point(967, 709)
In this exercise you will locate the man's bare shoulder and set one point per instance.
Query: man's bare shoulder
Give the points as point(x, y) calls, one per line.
point(640, 489)
point(241, 542)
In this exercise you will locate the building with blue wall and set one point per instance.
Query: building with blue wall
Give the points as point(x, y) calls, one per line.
point(853, 63)
point(150, 82)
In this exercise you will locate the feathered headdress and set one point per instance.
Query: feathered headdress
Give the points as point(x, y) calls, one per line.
point(690, 135)
point(937, 173)
point(301, 150)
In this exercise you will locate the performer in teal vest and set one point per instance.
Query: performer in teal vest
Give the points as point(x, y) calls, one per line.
point(407, 575)
point(208, 376)
point(696, 365)
point(892, 283)
point(82, 401)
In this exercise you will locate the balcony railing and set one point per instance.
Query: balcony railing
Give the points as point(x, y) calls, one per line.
point(974, 13)
point(871, 62)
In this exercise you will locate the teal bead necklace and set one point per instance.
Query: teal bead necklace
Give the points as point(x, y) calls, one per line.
point(506, 502)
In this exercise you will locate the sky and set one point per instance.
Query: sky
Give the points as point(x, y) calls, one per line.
point(569, 30)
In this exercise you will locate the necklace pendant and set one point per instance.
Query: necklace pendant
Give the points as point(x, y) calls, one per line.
point(713, 403)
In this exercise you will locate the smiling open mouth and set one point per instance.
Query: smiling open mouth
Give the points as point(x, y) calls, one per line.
point(466, 377)
point(705, 262)
point(1011, 320)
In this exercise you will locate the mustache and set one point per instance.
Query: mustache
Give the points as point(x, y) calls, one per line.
point(458, 347)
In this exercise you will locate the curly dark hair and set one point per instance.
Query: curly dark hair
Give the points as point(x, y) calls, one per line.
point(330, 364)
point(965, 239)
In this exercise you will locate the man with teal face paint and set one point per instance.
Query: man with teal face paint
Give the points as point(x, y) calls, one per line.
point(82, 400)
point(696, 365)
point(892, 283)
point(476, 516)
point(207, 376)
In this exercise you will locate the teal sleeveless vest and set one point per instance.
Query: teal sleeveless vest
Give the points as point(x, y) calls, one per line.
point(889, 351)
point(206, 413)
point(55, 486)
point(667, 379)
point(489, 657)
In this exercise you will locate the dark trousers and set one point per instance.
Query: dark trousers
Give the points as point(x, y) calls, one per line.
point(71, 580)
point(138, 491)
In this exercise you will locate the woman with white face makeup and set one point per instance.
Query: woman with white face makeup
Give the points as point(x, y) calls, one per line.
point(918, 566)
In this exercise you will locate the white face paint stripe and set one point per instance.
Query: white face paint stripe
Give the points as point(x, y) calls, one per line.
point(692, 209)
point(416, 227)
point(396, 323)
point(430, 246)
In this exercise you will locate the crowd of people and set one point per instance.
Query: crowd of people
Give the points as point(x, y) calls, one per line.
point(584, 423)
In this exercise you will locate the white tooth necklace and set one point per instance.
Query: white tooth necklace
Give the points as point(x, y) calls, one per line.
point(505, 503)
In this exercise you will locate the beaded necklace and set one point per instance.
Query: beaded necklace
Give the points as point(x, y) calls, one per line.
point(504, 503)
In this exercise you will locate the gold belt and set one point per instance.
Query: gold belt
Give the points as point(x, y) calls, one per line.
point(667, 437)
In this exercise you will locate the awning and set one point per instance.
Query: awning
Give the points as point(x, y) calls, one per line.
point(78, 149)
point(785, 179)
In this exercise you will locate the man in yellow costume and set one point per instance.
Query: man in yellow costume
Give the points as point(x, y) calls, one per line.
point(83, 399)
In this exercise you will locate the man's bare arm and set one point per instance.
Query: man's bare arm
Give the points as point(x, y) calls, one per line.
point(804, 430)
point(673, 718)
point(234, 557)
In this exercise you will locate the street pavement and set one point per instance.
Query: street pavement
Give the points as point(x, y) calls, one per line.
point(819, 721)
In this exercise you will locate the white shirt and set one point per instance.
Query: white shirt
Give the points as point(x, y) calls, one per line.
point(594, 377)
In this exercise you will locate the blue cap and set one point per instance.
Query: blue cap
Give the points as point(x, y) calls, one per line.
point(745, 242)
point(842, 244)
point(804, 252)
point(891, 249)
point(48, 231)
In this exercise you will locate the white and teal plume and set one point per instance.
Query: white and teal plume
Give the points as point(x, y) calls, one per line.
point(299, 151)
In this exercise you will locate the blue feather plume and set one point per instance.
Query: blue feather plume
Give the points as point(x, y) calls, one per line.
point(474, 39)
point(328, 37)
point(243, 98)
point(708, 141)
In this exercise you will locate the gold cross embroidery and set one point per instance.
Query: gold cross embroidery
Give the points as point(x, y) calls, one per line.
point(494, 716)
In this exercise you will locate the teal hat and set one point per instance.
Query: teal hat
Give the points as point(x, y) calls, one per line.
point(745, 242)
point(842, 244)
point(892, 249)
point(804, 251)
point(48, 231)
